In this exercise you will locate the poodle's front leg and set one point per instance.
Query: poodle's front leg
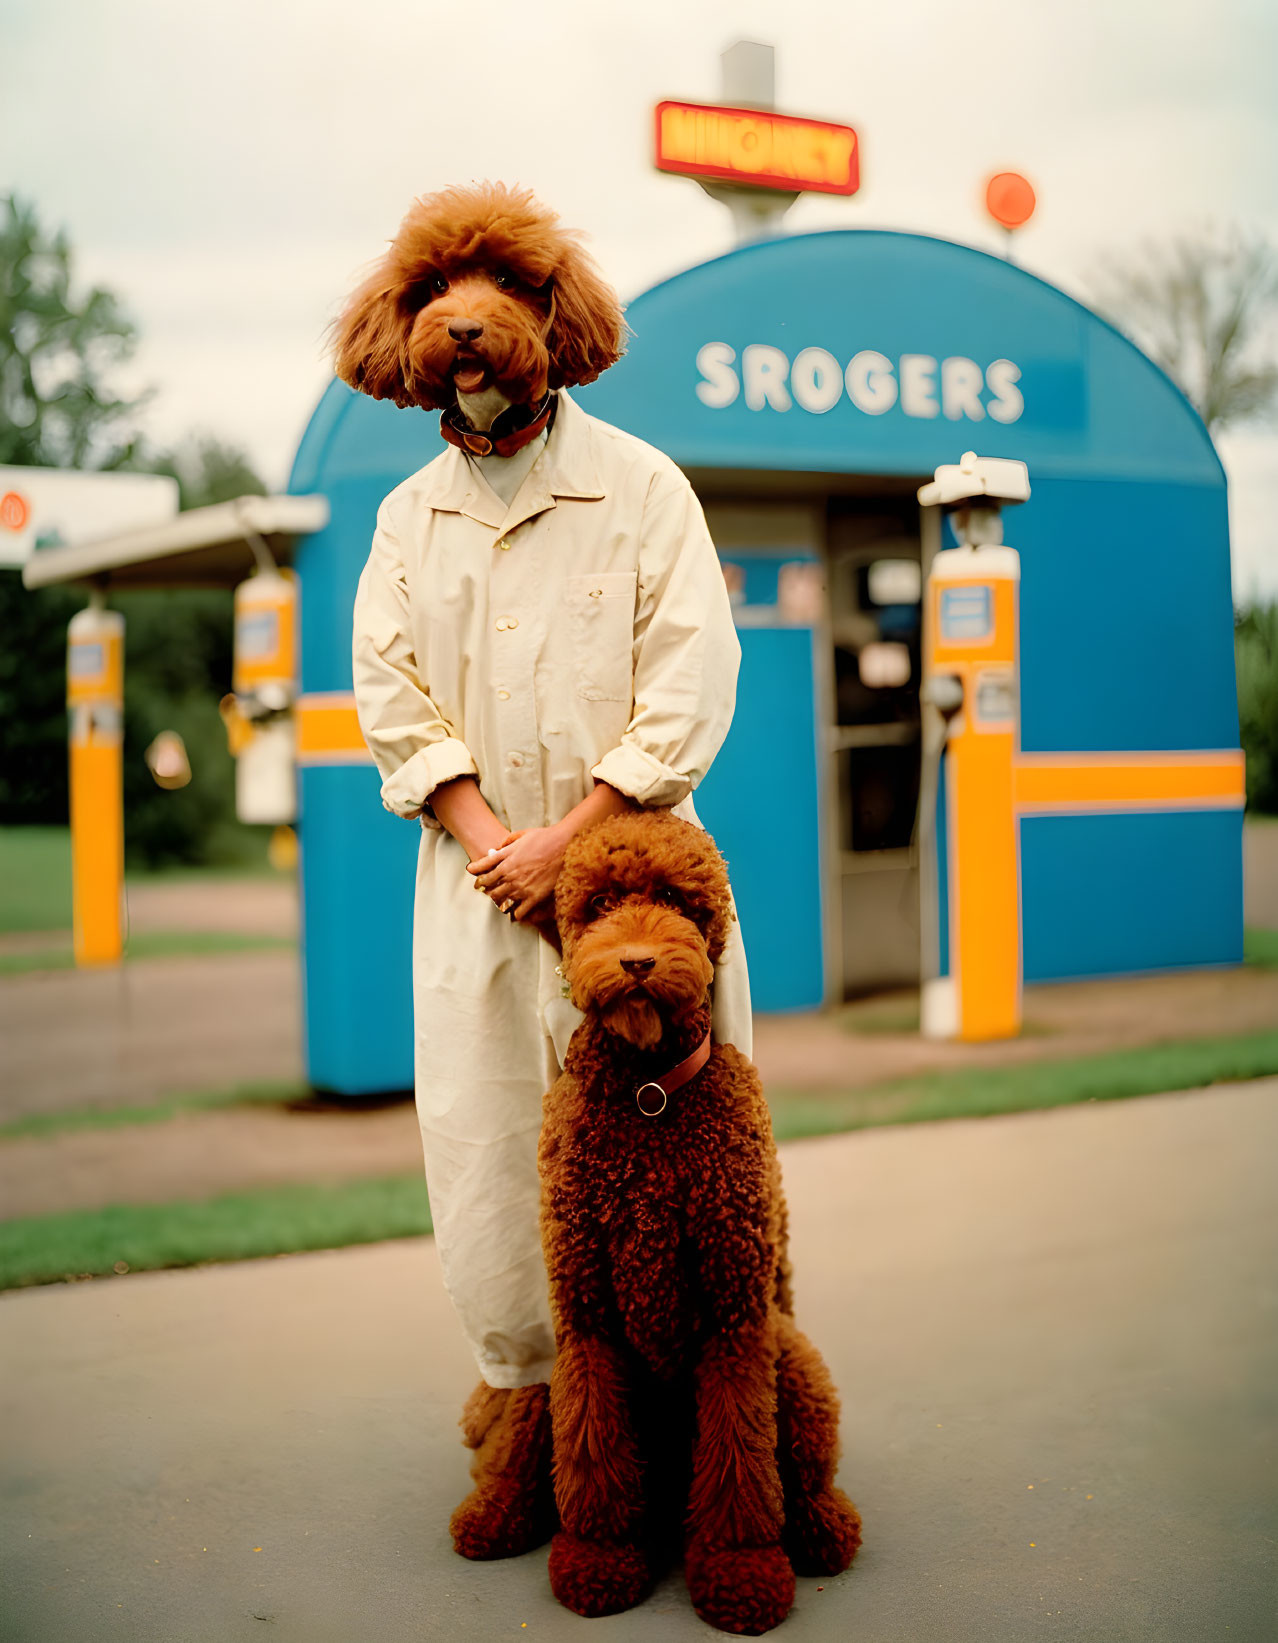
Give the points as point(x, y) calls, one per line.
point(739, 1577)
point(596, 1564)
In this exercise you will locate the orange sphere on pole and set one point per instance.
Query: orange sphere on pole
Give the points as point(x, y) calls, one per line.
point(1009, 199)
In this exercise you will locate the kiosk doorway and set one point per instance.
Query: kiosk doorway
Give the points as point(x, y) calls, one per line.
point(875, 567)
point(840, 573)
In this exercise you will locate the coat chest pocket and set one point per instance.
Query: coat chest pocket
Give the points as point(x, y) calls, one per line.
point(601, 619)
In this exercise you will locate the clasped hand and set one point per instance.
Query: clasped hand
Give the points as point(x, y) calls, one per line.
point(519, 876)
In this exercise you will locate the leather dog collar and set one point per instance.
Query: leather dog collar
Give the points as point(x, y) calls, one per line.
point(507, 434)
point(675, 1079)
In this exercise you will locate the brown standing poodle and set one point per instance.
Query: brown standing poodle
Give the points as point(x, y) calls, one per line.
point(682, 1387)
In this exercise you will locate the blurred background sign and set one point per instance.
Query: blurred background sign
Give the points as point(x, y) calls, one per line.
point(61, 506)
point(757, 149)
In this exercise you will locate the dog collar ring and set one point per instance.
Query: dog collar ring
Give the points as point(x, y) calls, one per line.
point(674, 1080)
point(651, 1112)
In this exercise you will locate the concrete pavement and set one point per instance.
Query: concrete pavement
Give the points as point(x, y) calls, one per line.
point(1057, 1340)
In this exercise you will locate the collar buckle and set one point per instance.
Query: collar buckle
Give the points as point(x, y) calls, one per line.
point(651, 1112)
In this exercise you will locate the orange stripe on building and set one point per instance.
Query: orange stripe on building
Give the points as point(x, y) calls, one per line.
point(1128, 781)
point(328, 730)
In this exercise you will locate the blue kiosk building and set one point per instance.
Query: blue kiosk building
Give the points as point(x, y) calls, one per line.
point(808, 386)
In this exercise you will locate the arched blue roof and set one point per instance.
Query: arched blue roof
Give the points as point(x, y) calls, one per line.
point(871, 352)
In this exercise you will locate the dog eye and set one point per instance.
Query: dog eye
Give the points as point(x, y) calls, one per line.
point(439, 283)
point(602, 903)
point(670, 896)
point(502, 280)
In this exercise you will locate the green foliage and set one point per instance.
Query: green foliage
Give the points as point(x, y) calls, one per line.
point(208, 470)
point(1256, 664)
point(33, 715)
point(57, 349)
point(1201, 308)
point(177, 668)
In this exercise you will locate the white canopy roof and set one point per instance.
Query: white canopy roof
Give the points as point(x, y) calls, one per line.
point(205, 547)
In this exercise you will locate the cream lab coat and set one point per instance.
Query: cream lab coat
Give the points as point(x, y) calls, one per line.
point(584, 631)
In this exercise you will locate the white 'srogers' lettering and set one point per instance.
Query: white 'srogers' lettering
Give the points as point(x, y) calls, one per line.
point(921, 385)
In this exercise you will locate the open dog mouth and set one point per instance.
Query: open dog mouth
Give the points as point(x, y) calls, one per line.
point(470, 373)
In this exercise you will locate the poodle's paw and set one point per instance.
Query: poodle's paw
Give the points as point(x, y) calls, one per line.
point(821, 1535)
point(747, 1590)
point(592, 1578)
point(487, 1526)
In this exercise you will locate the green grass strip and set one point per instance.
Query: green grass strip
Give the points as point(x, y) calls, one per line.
point(150, 945)
point(110, 1118)
point(1260, 947)
point(47, 1248)
point(35, 878)
point(981, 1092)
point(276, 1221)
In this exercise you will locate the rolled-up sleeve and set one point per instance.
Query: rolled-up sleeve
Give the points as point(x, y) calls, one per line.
point(412, 745)
point(686, 655)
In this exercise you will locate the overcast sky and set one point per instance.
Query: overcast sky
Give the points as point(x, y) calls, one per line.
point(229, 168)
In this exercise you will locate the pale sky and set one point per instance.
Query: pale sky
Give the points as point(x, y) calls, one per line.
point(228, 169)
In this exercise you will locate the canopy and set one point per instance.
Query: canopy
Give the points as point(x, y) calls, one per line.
point(205, 547)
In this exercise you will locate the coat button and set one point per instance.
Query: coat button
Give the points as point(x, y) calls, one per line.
point(503, 695)
point(517, 760)
point(512, 621)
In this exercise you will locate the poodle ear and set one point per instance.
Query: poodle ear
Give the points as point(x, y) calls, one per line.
point(587, 331)
point(370, 336)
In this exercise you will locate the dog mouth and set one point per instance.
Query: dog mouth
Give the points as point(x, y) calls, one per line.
point(634, 1016)
point(471, 374)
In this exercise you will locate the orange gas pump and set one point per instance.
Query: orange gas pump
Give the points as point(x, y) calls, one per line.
point(971, 695)
point(259, 713)
point(95, 707)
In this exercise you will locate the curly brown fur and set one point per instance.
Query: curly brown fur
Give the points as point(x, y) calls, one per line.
point(511, 1508)
point(665, 1245)
point(493, 255)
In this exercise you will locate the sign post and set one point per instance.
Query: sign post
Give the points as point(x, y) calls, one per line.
point(745, 155)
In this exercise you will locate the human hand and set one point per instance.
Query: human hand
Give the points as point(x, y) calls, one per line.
point(519, 877)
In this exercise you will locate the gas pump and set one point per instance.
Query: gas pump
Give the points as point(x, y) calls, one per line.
point(971, 703)
point(95, 707)
point(258, 714)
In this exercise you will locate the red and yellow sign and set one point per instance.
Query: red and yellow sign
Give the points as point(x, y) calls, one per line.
point(755, 149)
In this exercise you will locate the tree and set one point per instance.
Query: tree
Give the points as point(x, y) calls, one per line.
point(208, 470)
point(1202, 309)
point(57, 350)
point(57, 410)
point(1256, 660)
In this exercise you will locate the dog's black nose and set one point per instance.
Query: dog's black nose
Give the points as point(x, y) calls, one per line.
point(465, 330)
point(637, 966)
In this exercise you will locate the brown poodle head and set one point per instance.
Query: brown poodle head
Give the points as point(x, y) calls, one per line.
point(480, 288)
point(644, 910)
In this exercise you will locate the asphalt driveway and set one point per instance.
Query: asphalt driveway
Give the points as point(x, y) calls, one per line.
point(1056, 1336)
